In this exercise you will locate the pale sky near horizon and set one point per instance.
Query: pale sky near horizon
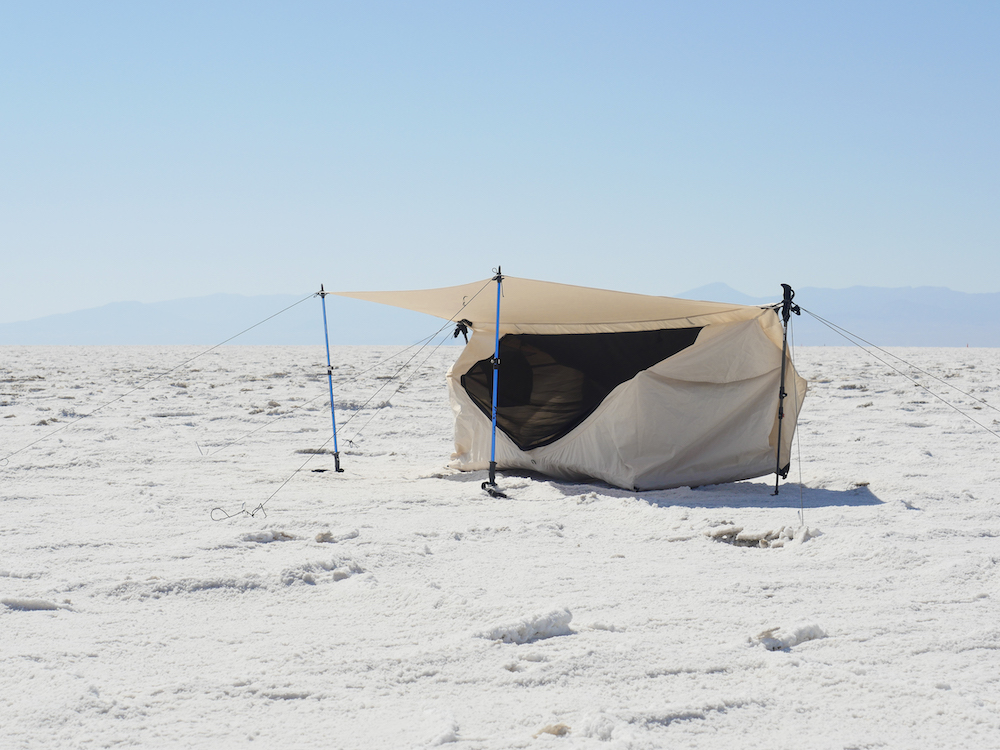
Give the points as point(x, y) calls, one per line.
point(153, 151)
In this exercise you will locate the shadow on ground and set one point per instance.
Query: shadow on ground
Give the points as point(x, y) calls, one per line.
point(748, 494)
point(760, 495)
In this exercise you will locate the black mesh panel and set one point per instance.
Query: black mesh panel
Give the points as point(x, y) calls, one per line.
point(549, 384)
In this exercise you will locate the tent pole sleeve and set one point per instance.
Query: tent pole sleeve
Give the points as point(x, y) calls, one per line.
point(329, 380)
point(496, 374)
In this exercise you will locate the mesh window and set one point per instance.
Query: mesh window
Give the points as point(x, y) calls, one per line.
point(549, 384)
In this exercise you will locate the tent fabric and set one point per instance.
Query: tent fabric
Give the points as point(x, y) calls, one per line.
point(639, 391)
point(554, 308)
point(551, 383)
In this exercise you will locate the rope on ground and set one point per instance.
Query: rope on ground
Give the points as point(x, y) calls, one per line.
point(851, 337)
point(154, 379)
point(223, 515)
point(218, 514)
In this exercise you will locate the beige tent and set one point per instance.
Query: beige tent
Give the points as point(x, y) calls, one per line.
point(642, 392)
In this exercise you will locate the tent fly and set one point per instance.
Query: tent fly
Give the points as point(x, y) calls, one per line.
point(639, 391)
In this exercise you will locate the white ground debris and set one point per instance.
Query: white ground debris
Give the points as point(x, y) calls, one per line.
point(352, 614)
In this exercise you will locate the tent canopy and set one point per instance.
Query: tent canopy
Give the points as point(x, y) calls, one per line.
point(527, 302)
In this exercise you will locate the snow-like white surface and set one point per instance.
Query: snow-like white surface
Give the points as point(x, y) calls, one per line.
point(397, 605)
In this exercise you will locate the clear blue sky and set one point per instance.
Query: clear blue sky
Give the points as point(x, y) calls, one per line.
point(151, 151)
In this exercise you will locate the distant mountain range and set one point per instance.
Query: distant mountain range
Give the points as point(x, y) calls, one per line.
point(215, 318)
point(921, 316)
point(906, 316)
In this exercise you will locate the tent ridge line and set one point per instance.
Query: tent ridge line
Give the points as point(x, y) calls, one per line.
point(620, 326)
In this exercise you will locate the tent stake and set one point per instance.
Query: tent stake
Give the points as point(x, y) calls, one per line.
point(491, 485)
point(329, 379)
point(787, 308)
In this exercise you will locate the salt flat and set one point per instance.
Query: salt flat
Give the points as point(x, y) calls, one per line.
point(396, 605)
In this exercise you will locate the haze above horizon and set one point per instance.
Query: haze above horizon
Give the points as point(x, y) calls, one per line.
point(157, 152)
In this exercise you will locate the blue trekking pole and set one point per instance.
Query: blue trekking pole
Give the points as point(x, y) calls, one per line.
point(491, 485)
point(329, 378)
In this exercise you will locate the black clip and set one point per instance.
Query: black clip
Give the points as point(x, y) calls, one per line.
point(787, 308)
point(462, 327)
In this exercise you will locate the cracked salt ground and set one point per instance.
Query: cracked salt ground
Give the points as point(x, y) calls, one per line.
point(358, 612)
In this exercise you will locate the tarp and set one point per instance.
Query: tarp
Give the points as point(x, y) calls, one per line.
point(544, 304)
point(706, 413)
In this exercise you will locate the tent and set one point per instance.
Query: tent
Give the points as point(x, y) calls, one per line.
point(642, 392)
